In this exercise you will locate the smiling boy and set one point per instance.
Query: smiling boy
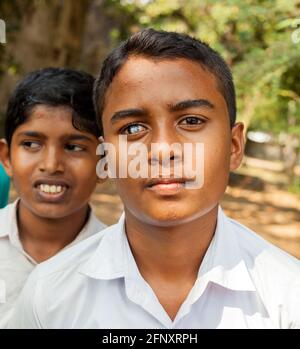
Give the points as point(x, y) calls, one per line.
point(174, 260)
point(50, 152)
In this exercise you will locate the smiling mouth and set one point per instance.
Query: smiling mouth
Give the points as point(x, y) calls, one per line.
point(51, 191)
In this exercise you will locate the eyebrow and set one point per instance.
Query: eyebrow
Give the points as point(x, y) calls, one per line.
point(69, 137)
point(74, 137)
point(137, 112)
point(191, 103)
point(123, 114)
point(32, 134)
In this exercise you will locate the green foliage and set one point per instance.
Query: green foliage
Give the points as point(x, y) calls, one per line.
point(254, 36)
point(295, 186)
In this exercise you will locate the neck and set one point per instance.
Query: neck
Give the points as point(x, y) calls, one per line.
point(171, 253)
point(42, 237)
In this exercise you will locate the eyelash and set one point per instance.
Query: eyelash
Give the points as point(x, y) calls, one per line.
point(123, 129)
point(27, 145)
point(195, 117)
point(75, 145)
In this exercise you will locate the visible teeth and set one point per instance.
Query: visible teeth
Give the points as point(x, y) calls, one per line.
point(51, 189)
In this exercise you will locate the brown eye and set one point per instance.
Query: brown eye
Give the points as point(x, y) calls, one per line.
point(31, 145)
point(74, 147)
point(191, 120)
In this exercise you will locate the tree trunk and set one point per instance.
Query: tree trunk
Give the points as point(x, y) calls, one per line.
point(50, 34)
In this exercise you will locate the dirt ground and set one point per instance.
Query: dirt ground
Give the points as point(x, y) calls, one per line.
point(271, 212)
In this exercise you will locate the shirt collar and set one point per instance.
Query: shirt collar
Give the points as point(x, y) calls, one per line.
point(92, 226)
point(108, 261)
point(9, 214)
point(223, 262)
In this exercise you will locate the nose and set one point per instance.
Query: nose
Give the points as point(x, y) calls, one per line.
point(52, 161)
point(164, 147)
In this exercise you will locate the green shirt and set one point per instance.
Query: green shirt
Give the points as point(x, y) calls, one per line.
point(4, 187)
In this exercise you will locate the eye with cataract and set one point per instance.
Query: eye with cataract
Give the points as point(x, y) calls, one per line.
point(133, 129)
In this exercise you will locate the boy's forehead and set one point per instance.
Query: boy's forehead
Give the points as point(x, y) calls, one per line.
point(138, 67)
point(50, 121)
point(44, 111)
point(41, 117)
point(161, 80)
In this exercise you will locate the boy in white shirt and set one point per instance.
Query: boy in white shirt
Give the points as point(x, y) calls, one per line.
point(174, 260)
point(50, 152)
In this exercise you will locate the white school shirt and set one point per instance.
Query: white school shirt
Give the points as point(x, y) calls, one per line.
point(16, 264)
point(243, 282)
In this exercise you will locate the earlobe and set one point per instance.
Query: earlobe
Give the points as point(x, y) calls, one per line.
point(4, 157)
point(237, 145)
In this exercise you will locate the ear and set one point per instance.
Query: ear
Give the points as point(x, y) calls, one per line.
point(237, 145)
point(5, 158)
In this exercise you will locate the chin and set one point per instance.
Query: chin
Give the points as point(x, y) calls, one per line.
point(174, 215)
point(50, 212)
point(169, 218)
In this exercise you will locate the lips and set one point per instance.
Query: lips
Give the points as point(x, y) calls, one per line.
point(165, 181)
point(51, 182)
point(166, 186)
point(51, 190)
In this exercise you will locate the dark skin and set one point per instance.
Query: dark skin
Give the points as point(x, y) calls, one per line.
point(42, 154)
point(169, 231)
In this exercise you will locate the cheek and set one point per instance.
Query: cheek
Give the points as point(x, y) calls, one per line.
point(84, 171)
point(216, 165)
point(87, 173)
point(23, 164)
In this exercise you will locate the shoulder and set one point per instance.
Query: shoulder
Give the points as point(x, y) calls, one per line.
point(261, 254)
point(7, 218)
point(55, 284)
point(7, 210)
point(274, 272)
